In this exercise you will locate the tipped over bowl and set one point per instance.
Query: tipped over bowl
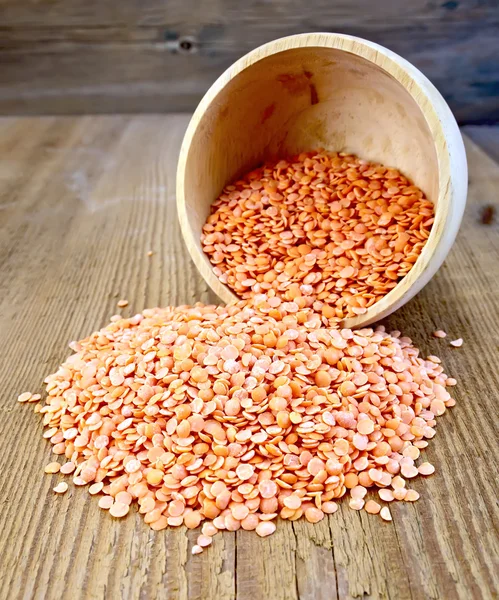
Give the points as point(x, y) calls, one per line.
point(331, 91)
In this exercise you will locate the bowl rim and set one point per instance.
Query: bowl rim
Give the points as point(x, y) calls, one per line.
point(449, 148)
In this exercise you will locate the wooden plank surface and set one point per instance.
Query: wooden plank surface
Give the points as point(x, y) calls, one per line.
point(82, 200)
point(487, 137)
point(74, 56)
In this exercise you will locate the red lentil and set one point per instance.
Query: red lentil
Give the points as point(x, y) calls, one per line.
point(119, 510)
point(439, 334)
point(411, 496)
point(204, 540)
point(329, 226)
point(426, 468)
point(145, 413)
point(372, 507)
point(385, 513)
point(61, 488)
point(24, 397)
point(53, 467)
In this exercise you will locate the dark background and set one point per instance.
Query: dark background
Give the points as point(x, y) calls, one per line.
point(129, 56)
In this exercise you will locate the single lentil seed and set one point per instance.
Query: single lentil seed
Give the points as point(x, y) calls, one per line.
point(61, 488)
point(95, 488)
point(105, 502)
point(53, 467)
point(372, 507)
point(411, 496)
point(439, 333)
point(426, 468)
point(119, 510)
point(385, 513)
point(386, 495)
point(209, 529)
point(265, 528)
point(67, 468)
point(204, 540)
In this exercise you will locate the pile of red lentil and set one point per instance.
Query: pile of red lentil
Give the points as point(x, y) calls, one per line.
point(235, 415)
point(331, 226)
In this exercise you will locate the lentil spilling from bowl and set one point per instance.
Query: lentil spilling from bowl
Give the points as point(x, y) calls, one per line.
point(235, 415)
point(327, 225)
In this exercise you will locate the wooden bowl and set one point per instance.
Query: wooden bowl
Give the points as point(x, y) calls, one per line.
point(337, 92)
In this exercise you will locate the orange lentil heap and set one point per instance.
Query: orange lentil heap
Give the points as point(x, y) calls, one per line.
point(331, 226)
point(234, 415)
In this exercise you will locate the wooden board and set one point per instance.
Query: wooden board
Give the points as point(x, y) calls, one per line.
point(74, 56)
point(82, 201)
point(487, 137)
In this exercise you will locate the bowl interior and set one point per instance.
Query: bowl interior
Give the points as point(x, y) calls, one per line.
point(304, 99)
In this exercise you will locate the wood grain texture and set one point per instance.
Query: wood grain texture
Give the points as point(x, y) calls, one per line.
point(74, 56)
point(486, 137)
point(82, 200)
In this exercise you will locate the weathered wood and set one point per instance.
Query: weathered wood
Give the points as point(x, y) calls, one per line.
point(82, 200)
point(72, 56)
point(487, 137)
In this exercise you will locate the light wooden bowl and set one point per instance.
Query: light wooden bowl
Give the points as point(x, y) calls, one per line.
point(337, 92)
